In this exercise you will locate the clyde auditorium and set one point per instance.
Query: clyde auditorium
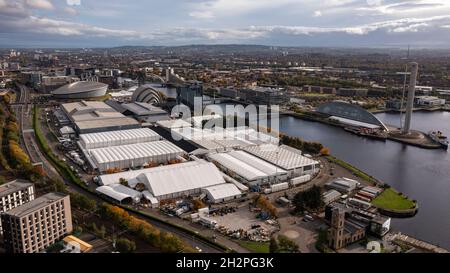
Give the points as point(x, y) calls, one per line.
point(81, 90)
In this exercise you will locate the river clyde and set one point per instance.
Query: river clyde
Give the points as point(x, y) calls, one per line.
point(422, 174)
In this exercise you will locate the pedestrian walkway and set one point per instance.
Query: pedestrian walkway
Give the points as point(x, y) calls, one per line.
point(418, 243)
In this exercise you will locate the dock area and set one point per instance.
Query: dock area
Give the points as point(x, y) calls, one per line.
point(418, 243)
point(414, 138)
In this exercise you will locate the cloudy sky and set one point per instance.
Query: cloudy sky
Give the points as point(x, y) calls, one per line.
point(91, 23)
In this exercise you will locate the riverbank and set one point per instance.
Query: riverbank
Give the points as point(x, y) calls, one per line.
point(422, 141)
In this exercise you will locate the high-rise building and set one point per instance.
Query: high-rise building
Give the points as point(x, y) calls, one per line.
point(187, 92)
point(14, 194)
point(37, 224)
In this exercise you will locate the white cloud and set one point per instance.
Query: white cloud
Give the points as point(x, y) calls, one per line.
point(71, 10)
point(202, 14)
point(40, 4)
point(221, 8)
point(73, 2)
point(16, 16)
point(405, 7)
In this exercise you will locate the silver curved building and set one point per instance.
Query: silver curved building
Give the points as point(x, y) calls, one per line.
point(349, 111)
point(147, 94)
point(81, 90)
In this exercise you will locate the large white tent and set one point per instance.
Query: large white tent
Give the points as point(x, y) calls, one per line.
point(285, 157)
point(171, 181)
point(248, 168)
point(116, 138)
point(134, 155)
point(222, 192)
point(183, 179)
point(120, 193)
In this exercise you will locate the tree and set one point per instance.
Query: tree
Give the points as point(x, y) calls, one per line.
point(265, 205)
point(286, 245)
point(82, 202)
point(165, 241)
point(282, 244)
point(124, 245)
point(198, 204)
point(123, 182)
point(325, 151)
point(311, 199)
point(273, 247)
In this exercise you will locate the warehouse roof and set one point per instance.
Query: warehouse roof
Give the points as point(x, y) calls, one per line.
point(283, 156)
point(130, 176)
point(243, 136)
point(142, 108)
point(122, 136)
point(95, 114)
point(119, 192)
point(72, 240)
point(103, 123)
point(330, 195)
point(134, 151)
point(181, 177)
point(222, 191)
point(173, 123)
point(246, 165)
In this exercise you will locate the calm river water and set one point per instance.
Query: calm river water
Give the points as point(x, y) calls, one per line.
point(422, 174)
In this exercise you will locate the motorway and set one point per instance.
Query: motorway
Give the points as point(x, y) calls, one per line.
point(23, 109)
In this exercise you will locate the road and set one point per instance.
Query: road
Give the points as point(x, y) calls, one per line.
point(23, 111)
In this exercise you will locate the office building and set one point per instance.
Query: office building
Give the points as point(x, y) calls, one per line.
point(187, 92)
point(352, 92)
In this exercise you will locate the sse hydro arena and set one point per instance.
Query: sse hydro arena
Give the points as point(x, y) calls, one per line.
point(80, 90)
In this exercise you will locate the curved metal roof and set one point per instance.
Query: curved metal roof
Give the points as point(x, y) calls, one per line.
point(349, 111)
point(146, 94)
point(79, 87)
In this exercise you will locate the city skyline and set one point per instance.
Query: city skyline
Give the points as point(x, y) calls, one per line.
point(331, 23)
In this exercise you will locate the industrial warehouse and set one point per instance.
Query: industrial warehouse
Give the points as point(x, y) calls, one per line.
point(220, 139)
point(116, 138)
point(134, 155)
point(247, 168)
point(96, 116)
point(285, 157)
point(171, 181)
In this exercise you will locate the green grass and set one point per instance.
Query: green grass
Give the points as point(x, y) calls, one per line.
point(352, 169)
point(391, 199)
point(256, 247)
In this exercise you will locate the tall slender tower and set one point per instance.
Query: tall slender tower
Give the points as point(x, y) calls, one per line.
point(411, 93)
point(336, 237)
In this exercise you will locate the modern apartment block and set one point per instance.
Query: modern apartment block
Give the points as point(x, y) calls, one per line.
point(38, 224)
point(14, 194)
